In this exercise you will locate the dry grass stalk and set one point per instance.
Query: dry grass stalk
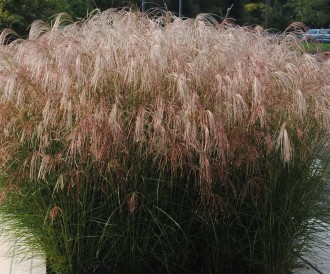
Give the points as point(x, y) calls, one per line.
point(182, 93)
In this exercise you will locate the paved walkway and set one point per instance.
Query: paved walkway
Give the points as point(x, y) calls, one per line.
point(314, 266)
point(320, 264)
point(13, 263)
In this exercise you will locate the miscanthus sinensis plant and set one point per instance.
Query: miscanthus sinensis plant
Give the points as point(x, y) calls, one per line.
point(132, 143)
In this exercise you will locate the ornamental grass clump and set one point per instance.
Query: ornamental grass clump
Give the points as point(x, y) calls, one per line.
point(139, 144)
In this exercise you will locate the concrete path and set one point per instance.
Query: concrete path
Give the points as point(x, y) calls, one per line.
point(320, 263)
point(314, 266)
point(13, 263)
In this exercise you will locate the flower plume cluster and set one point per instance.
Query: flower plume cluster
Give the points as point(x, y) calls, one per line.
point(120, 90)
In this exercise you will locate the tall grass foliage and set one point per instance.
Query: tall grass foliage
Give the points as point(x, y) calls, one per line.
point(139, 144)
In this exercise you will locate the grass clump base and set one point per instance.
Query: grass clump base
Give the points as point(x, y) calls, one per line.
point(140, 144)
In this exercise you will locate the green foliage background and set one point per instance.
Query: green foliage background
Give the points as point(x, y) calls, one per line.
point(19, 14)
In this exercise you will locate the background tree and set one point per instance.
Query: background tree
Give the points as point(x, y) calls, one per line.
point(314, 13)
point(281, 14)
point(78, 8)
point(19, 14)
point(106, 4)
point(254, 13)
